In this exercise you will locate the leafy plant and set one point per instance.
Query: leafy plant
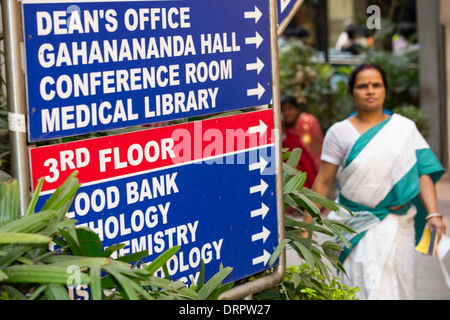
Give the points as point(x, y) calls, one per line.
point(304, 283)
point(303, 238)
point(9, 190)
point(28, 270)
point(305, 201)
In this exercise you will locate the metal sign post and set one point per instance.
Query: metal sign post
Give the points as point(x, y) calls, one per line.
point(11, 13)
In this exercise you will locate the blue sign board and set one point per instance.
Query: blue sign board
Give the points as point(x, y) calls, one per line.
point(219, 206)
point(100, 65)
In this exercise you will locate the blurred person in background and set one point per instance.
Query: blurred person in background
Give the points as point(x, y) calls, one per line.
point(304, 126)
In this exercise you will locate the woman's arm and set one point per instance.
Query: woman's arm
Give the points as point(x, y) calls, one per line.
point(428, 198)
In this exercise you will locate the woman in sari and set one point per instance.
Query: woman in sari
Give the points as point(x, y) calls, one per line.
point(387, 174)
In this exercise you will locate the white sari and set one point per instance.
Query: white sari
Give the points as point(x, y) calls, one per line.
point(382, 171)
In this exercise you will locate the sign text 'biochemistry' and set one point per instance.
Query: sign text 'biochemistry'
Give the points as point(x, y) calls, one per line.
point(208, 186)
point(101, 65)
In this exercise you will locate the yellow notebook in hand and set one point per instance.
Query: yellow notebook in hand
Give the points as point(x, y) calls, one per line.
point(428, 243)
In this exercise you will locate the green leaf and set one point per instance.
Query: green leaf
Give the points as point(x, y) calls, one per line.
point(337, 227)
point(10, 238)
point(56, 292)
point(166, 271)
point(289, 223)
point(295, 182)
point(304, 252)
point(4, 176)
point(64, 202)
point(124, 284)
point(63, 260)
point(288, 170)
point(164, 283)
point(40, 274)
point(110, 250)
point(294, 158)
point(15, 253)
point(290, 201)
point(331, 245)
point(9, 201)
point(126, 280)
point(71, 242)
point(89, 242)
point(30, 224)
point(213, 283)
point(60, 192)
point(133, 257)
point(310, 233)
point(96, 286)
point(37, 293)
point(13, 293)
point(34, 198)
point(61, 199)
point(309, 206)
point(332, 250)
point(140, 290)
point(3, 276)
point(201, 279)
point(276, 253)
point(162, 259)
point(322, 201)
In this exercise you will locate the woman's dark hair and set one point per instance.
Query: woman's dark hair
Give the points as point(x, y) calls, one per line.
point(291, 100)
point(361, 67)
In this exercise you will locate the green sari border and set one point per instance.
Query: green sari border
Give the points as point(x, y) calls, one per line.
point(363, 140)
point(426, 163)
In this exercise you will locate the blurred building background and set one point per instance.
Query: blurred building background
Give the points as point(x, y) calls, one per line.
point(425, 24)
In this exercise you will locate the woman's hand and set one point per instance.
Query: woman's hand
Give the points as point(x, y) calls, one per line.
point(428, 198)
point(438, 224)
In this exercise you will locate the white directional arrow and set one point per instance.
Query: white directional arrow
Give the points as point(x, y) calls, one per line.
point(258, 66)
point(256, 91)
point(262, 259)
point(253, 14)
point(260, 212)
point(260, 188)
point(257, 39)
point(261, 128)
point(284, 4)
point(261, 236)
point(261, 165)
